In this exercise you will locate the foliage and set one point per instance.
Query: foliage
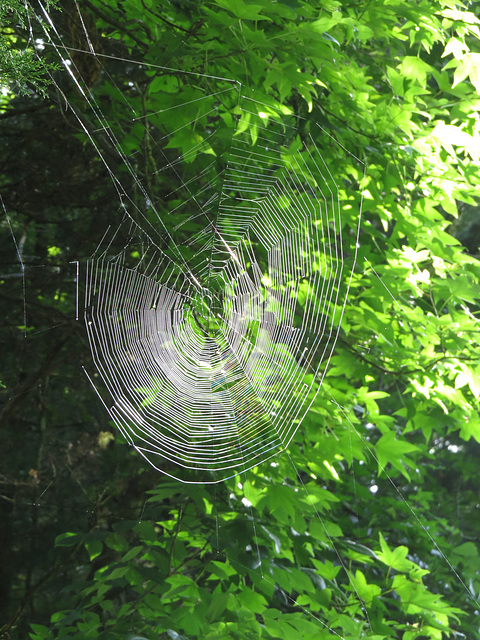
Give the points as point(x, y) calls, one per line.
point(368, 526)
point(19, 63)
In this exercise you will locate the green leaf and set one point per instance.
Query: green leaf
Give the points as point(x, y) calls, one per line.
point(468, 376)
point(468, 66)
point(243, 10)
point(40, 631)
point(456, 47)
point(222, 570)
point(415, 69)
point(449, 136)
point(325, 24)
point(146, 531)
point(252, 600)
point(396, 80)
point(67, 539)
point(94, 548)
point(391, 450)
point(367, 592)
point(396, 558)
point(470, 426)
point(467, 550)
point(217, 606)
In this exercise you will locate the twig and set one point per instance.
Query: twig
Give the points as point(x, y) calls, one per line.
point(190, 32)
point(345, 123)
point(115, 23)
point(402, 371)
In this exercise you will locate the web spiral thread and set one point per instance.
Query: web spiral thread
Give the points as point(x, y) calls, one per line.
point(214, 349)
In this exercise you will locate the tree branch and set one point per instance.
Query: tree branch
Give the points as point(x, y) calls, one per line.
point(118, 25)
point(344, 122)
point(190, 32)
point(401, 371)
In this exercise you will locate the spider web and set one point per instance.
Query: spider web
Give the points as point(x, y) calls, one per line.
point(213, 310)
point(212, 362)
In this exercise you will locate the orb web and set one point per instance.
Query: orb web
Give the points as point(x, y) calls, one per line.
point(213, 345)
point(213, 308)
